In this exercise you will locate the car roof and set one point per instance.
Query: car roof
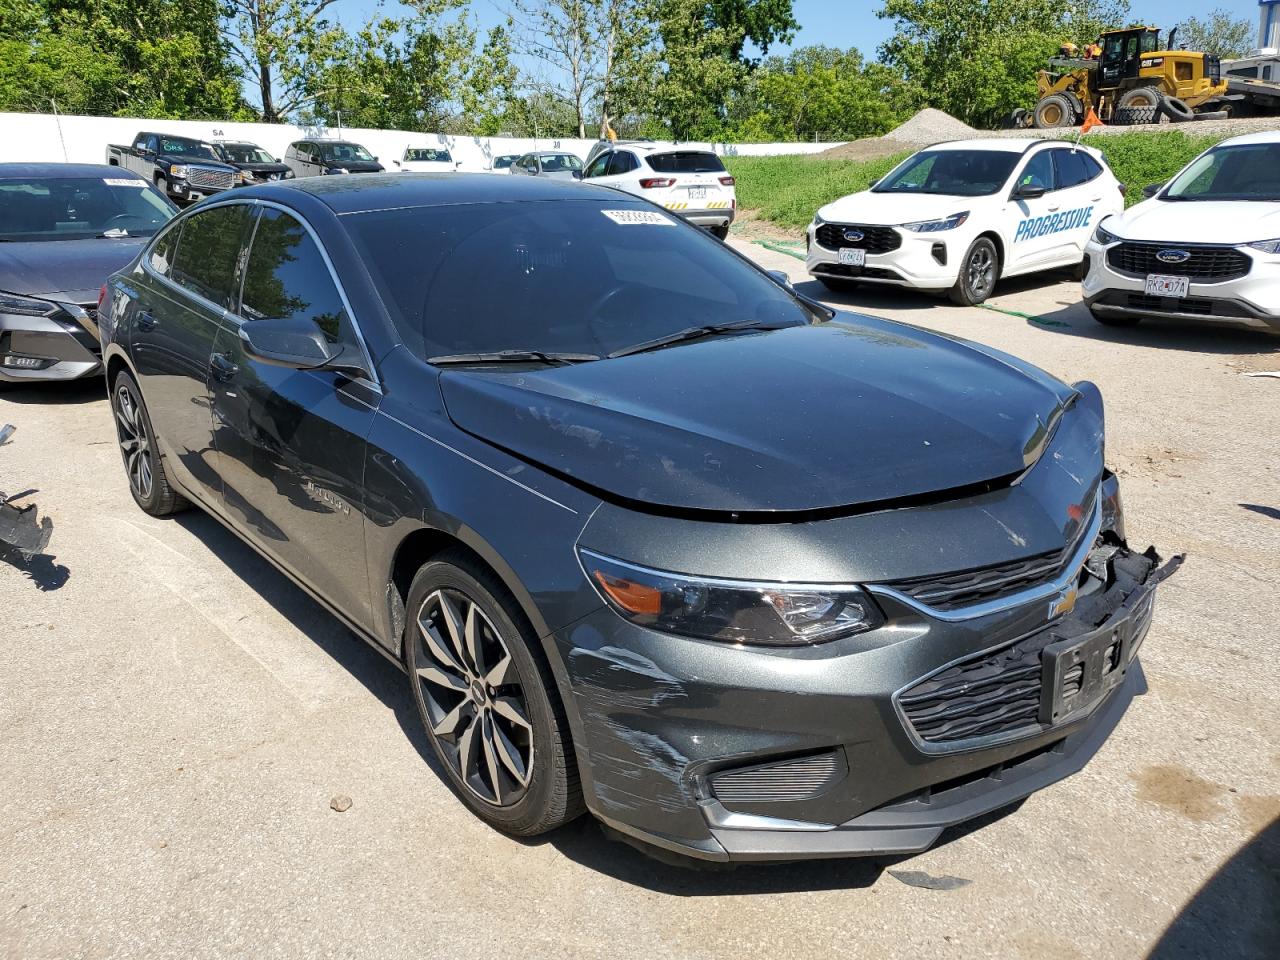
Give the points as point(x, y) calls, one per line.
point(64, 171)
point(374, 191)
point(553, 153)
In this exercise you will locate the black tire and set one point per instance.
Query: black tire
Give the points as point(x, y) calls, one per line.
point(1176, 110)
point(454, 720)
point(1214, 115)
point(838, 284)
point(720, 233)
point(1114, 319)
point(979, 271)
point(143, 464)
point(1053, 112)
point(1140, 98)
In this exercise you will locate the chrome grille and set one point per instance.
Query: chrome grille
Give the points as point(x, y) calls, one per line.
point(213, 179)
point(799, 779)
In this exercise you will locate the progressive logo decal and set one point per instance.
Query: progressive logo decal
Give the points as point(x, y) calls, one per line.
point(1034, 227)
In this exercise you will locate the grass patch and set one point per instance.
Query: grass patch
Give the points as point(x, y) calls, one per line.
point(787, 190)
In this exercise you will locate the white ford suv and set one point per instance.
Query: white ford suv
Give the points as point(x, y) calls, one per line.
point(687, 179)
point(1206, 246)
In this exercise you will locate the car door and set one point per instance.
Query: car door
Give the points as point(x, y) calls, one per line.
point(1083, 189)
point(183, 293)
point(291, 443)
point(597, 168)
point(1034, 241)
point(620, 172)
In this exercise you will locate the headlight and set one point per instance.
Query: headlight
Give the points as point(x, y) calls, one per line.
point(1104, 236)
point(733, 611)
point(178, 170)
point(1267, 246)
point(246, 176)
point(287, 175)
point(25, 306)
point(818, 221)
point(934, 226)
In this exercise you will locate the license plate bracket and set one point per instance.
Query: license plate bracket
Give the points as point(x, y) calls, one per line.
point(1159, 285)
point(697, 193)
point(853, 257)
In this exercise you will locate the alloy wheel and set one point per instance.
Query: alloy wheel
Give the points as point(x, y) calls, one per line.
point(981, 272)
point(474, 697)
point(134, 445)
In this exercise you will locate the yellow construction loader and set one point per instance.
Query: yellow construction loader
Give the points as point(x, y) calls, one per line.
point(1132, 79)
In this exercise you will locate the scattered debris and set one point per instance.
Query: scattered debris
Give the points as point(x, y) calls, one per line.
point(23, 536)
point(927, 881)
point(341, 803)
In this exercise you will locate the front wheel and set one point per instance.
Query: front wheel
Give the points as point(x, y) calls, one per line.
point(487, 700)
point(978, 272)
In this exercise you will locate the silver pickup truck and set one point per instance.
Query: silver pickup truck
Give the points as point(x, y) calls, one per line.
point(183, 168)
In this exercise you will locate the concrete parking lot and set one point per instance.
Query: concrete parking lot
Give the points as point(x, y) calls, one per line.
point(176, 719)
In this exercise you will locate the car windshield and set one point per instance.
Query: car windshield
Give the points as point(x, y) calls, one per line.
point(33, 209)
point(588, 276)
point(193, 149)
point(686, 161)
point(953, 173)
point(557, 162)
point(501, 163)
point(427, 155)
point(1247, 171)
point(245, 153)
point(345, 151)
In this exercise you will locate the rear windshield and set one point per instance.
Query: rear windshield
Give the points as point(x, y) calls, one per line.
point(686, 161)
point(578, 276)
point(80, 208)
point(1248, 171)
point(952, 173)
point(187, 148)
point(427, 155)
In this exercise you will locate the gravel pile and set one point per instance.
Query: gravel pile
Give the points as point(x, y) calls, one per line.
point(931, 126)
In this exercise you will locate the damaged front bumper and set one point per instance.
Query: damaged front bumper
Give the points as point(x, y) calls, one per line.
point(867, 746)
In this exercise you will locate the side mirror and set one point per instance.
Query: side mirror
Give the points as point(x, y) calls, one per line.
point(577, 174)
point(396, 162)
point(1151, 189)
point(292, 342)
point(375, 158)
point(1028, 191)
point(780, 277)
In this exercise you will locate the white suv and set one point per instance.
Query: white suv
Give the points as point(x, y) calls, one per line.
point(1204, 247)
point(686, 179)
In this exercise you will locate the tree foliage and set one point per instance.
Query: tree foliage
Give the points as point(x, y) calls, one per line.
point(1218, 33)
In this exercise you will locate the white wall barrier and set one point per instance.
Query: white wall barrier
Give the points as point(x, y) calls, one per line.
point(45, 138)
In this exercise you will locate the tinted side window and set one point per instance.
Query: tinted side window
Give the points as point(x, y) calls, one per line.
point(622, 162)
point(1092, 167)
point(206, 259)
point(286, 278)
point(160, 259)
point(598, 165)
point(686, 161)
point(1039, 171)
point(1074, 168)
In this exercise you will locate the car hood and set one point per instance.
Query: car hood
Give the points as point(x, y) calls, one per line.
point(558, 175)
point(68, 270)
point(261, 168)
point(356, 166)
point(1199, 221)
point(835, 415)
point(895, 208)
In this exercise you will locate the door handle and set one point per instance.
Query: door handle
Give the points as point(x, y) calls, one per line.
point(222, 367)
point(147, 321)
point(1055, 209)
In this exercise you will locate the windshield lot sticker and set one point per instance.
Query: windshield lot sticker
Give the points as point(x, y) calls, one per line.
point(639, 216)
point(1034, 227)
point(122, 182)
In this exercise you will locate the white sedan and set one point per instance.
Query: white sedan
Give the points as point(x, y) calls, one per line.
point(1206, 246)
point(960, 216)
point(427, 160)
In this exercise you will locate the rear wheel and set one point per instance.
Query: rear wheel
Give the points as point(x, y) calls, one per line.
point(979, 271)
point(143, 464)
point(1054, 111)
point(721, 233)
point(487, 699)
point(1114, 319)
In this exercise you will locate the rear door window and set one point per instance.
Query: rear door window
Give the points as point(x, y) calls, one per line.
point(686, 161)
point(206, 259)
point(1069, 168)
point(622, 162)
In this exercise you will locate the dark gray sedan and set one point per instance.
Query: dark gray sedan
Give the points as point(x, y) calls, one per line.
point(651, 535)
point(64, 228)
point(554, 164)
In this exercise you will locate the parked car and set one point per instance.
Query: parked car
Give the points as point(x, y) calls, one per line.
point(685, 179)
point(254, 163)
point(65, 228)
point(502, 163)
point(183, 168)
point(555, 164)
point(651, 534)
point(959, 217)
point(427, 160)
point(314, 158)
point(1205, 246)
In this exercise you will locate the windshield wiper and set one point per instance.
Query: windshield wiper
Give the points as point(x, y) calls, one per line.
point(511, 356)
point(694, 333)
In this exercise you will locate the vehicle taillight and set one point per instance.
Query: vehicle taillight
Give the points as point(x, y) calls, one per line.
point(728, 181)
point(650, 182)
point(102, 296)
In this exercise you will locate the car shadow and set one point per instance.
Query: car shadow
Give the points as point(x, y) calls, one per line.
point(874, 296)
point(1166, 333)
point(85, 390)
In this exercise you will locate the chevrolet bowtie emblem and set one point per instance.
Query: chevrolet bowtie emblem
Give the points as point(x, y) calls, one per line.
point(1063, 603)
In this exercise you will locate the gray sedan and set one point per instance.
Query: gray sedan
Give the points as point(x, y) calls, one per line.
point(555, 164)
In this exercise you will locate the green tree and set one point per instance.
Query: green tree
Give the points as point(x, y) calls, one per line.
point(978, 59)
point(1218, 33)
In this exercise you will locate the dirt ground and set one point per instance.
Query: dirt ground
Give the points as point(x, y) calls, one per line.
point(176, 719)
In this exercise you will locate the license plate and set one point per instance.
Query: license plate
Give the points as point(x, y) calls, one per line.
point(853, 256)
point(1160, 286)
point(697, 193)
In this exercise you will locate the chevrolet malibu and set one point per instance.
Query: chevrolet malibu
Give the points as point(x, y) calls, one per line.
point(651, 535)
